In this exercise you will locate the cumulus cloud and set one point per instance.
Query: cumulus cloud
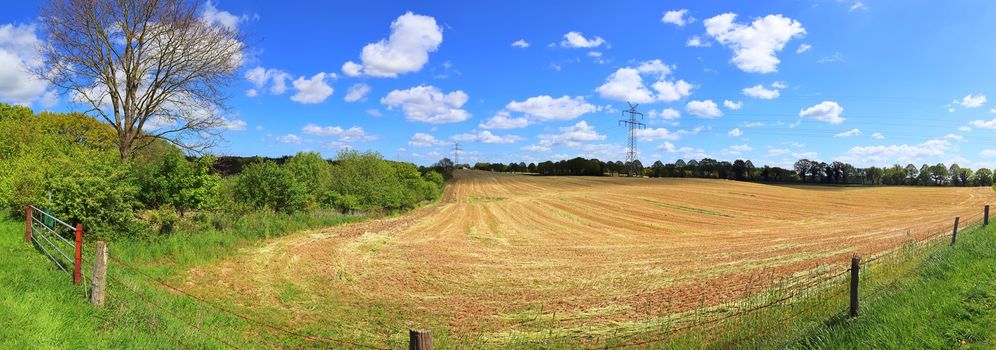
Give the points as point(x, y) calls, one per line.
point(735, 132)
point(578, 41)
point(342, 135)
point(18, 55)
point(504, 120)
point(878, 136)
point(703, 109)
point(972, 101)
point(754, 46)
point(733, 105)
point(677, 17)
point(904, 153)
point(664, 114)
point(428, 104)
point(682, 152)
point(412, 38)
point(520, 44)
point(213, 16)
point(313, 90)
point(546, 108)
point(626, 84)
point(487, 137)
point(826, 111)
point(955, 137)
point(654, 134)
point(570, 136)
point(696, 41)
point(737, 150)
point(803, 48)
point(424, 140)
point(261, 78)
point(357, 92)
point(760, 92)
point(988, 153)
point(849, 133)
point(290, 138)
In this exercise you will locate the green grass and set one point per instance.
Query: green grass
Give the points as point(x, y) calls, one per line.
point(949, 303)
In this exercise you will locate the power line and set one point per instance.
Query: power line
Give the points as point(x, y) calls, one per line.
point(456, 153)
point(631, 153)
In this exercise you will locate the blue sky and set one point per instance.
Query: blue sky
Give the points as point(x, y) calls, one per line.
point(868, 82)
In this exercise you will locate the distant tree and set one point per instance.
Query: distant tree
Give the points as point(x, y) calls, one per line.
point(965, 176)
point(911, 174)
point(739, 170)
point(657, 169)
point(954, 173)
point(924, 177)
point(802, 168)
point(176, 182)
point(939, 173)
point(983, 177)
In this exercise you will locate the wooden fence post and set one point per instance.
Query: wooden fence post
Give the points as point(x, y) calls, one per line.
point(985, 217)
point(78, 259)
point(27, 228)
point(954, 233)
point(855, 268)
point(99, 279)
point(419, 340)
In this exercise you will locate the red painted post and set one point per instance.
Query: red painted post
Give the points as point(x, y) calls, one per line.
point(79, 254)
point(27, 226)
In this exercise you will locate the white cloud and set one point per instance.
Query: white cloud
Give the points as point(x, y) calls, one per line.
point(290, 138)
point(677, 17)
point(858, 5)
point(826, 111)
point(665, 114)
point(683, 152)
point(520, 44)
point(754, 46)
point(18, 55)
point(626, 84)
point(753, 124)
point(803, 48)
point(759, 91)
point(577, 40)
point(955, 137)
point(546, 108)
point(738, 149)
point(654, 134)
point(703, 109)
point(412, 38)
point(424, 140)
point(504, 120)
point(992, 110)
point(357, 92)
point(571, 136)
point(314, 129)
point(849, 133)
point(373, 112)
point(988, 153)
point(972, 101)
point(428, 104)
point(778, 152)
point(779, 85)
point(213, 16)
point(735, 132)
point(261, 78)
point(836, 57)
point(733, 105)
point(878, 136)
point(964, 128)
point(233, 124)
point(313, 90)
point(487, 137)
point(985, 124)
point(343, 136)
point(536, 148)
point(904, 153)
point(696, 41)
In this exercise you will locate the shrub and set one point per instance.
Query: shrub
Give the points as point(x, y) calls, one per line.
point(312, 172)
point(95, 191)
point(164, 220)
point(269, 186)
point(176, 182)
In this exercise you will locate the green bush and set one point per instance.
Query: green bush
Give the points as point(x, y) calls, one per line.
point(176, 182)
point(96, 192)
point(312, 172)
point(164, 220)
point(269, 186)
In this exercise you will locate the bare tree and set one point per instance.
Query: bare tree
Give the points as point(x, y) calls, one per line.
point(153, 69)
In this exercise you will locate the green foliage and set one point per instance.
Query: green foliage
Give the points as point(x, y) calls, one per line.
point(96, 192)
point(176, 182)
point(311, 171)
point(366, 182)
point(269, 186)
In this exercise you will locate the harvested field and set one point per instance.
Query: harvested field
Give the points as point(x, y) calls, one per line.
point(515, 255)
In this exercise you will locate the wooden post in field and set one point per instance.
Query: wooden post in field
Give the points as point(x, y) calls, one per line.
point(954, 233)
point(99, 279)
point(27, 225)
point(855, 268)
point(985, 216)
point(419, 340)
point(78, 259)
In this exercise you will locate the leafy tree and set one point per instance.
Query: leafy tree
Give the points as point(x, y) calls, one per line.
point(954, 172)
point(269, 186)
point(983, 177)
point(911, 174)
point(176, 182)
point(312, 171)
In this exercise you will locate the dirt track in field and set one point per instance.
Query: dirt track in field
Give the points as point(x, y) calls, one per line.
point(503, 251)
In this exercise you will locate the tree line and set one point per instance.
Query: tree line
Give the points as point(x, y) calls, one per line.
point(803, 171)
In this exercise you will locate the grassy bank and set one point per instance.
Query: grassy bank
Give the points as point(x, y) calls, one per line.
point(41, 309)
point(950, 302)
